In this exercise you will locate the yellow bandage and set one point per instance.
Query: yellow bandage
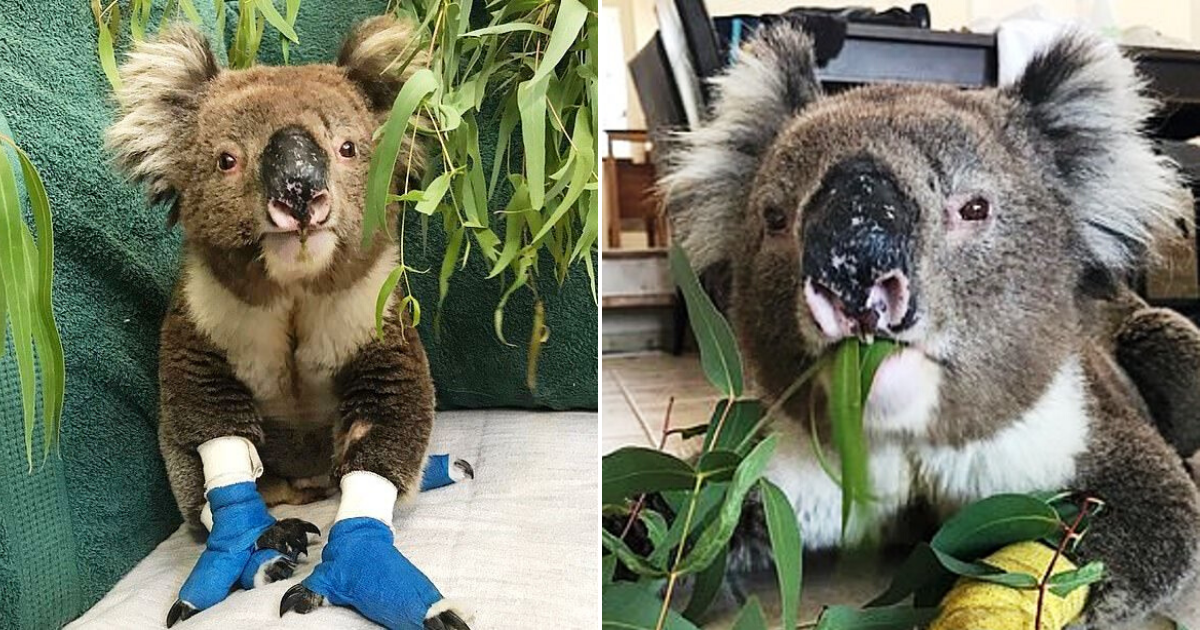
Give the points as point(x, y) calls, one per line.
point(976, 605)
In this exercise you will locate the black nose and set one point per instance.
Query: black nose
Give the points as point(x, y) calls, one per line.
point(858, 238)
point(294, 170)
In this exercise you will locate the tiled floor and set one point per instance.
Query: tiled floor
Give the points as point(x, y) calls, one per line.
point(637, 389)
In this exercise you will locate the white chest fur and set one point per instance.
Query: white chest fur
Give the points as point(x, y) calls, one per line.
point(1036, 452)
point(288, 350)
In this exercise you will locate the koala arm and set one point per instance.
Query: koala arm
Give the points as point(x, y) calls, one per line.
point(386, 409)
point(200, 400)
point(1160, 351)
point(1148, 535)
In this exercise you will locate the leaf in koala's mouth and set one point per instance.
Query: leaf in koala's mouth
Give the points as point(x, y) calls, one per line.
point(854, 367)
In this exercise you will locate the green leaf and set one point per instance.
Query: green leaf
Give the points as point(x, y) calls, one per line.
point(735, 432)
point(272, 14)
point(919, 569)
point(716, 536)
point(434, 192)
point(784, 532)
point(629, 606)
point(608, 566)
point(453, 246)
point(582, 144)
point(45, 330)
point(629, 557)
point(706, 586)
point(718, 350)
point(409, 302)
point(1062, 584)
point(383, 161)
point(985, 572)
point(108, 57)
point(902, 618)
point(751, 616)
point(717, 465)
point(987, 525)
point(845, 410)
point(630, 471)
point(509, 27)
point(18, 280)
point(656, 526)
point(381, 300)
point(190, 11)
point(871, 357)
point(531, 100)
point(514, 228)
point(708, 499)
point(568, 22)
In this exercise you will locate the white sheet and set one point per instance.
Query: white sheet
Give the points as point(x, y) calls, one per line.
point(517, 545)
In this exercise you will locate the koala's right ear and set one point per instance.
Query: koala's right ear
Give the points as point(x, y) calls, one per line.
point(373, 54)
point(162, 82)
point(709, 170)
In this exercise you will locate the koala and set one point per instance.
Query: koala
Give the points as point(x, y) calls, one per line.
point(990, 232)
point(269, 356)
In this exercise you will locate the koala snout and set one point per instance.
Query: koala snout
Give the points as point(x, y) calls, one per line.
point(294, 178)
point(857, 239)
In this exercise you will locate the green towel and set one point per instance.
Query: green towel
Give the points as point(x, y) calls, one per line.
point(69, 531)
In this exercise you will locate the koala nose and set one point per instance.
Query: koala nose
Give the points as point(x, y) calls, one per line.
point(857, 241)
point(293, 171)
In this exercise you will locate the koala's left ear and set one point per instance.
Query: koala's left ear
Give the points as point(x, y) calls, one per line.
point(1084, 99)
point(373, 53)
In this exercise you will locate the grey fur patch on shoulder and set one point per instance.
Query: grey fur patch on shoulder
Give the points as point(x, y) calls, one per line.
point(1088, 100)
point(709, 170)
point(161, 86)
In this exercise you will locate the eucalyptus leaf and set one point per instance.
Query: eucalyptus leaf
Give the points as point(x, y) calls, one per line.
point(628, 557)
point(630, 471)
point(989, 524)
point(845, 407)
point(784, 532)
point(718, 350)
point(630, 606)
point(1062, 584)
point(751, 616)
point(705, 587)
point(985, 572)
point(735, 427)
point(901, 618)
point(716, 536)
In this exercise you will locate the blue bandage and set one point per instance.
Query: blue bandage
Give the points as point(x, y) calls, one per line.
point(437, 473)
point(239, 518)
point(361, 568)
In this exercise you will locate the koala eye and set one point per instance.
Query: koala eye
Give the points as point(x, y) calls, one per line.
point(976, 209)
point(347, 150)
point(226, 162)
point(775, 219)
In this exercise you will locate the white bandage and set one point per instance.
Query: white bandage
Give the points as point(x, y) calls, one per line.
point(229, 460)
point(366, 494)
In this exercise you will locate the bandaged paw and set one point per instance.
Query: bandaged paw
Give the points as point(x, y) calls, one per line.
point(442, 470)
point(361, 568)
point(977, 605)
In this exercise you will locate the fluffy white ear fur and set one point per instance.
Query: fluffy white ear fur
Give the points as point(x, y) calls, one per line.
point(709, 170)
point(162, 84)
point(1086, 99)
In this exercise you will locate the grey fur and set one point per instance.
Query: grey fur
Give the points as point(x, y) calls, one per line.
point(1021, 312)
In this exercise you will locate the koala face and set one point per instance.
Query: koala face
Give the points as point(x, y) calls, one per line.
point(267, 164)
point(972, 226)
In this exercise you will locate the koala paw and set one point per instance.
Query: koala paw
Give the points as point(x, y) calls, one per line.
point(300, 599)
point(446, 620)
point(289, 537)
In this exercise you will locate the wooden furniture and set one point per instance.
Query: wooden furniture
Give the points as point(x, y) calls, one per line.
point(629, 193)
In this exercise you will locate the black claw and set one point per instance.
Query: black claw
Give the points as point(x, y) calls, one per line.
point(465, 466)
point(446, 620)
point(180, 611)
point(289, 537)
point(299, 599)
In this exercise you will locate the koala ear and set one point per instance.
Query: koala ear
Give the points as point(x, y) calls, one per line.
point(709, 170)
point(162, 82)
point(372, 55)
point(1085, 100)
